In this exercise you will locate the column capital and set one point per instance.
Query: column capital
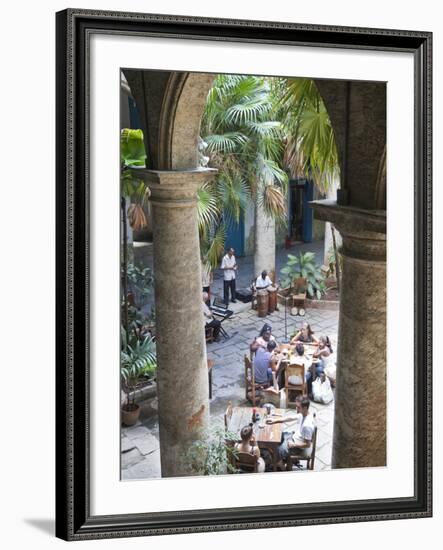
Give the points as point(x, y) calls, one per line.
point(174, 188)
point(363, 231)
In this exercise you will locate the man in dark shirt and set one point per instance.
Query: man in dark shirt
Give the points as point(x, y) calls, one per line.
point(263, 363)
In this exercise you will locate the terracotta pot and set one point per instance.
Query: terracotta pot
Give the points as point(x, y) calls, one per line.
point(130, 414)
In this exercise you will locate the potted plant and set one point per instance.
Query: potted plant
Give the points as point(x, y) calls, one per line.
point(304, 266)
point(138, 359)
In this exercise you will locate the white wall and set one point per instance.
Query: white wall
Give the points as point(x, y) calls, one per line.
point(27, 435)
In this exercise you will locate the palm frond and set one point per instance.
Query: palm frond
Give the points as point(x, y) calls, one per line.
point(224, 143)
point(234, 194)
point(247, 111)
point(207, 208)
point(273, 202)
point(270, 172)
point(213, 247)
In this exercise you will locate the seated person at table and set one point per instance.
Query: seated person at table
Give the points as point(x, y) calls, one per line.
point(297, 358)
point(297, 443)
point(305, 335)
point(264, 337)
point(324, 352)
point(263, 281)
point(245, 446)
point(323, 355)
point(263, 363)
point(209, 320)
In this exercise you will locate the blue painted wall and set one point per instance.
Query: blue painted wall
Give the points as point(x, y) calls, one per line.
point(235, 235)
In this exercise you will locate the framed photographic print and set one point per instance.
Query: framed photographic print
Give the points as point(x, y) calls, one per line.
point(243, 274)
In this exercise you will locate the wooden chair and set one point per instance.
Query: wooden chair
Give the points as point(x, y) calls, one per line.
point(299, 295)
point(294, 370)
point(253, 391)
point(310, 458)
point(209, 334)
point(246, 462)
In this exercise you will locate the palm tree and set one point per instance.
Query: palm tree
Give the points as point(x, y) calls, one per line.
point(311, 148)
point(244, 141)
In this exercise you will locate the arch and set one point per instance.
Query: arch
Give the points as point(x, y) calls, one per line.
point(181, 113)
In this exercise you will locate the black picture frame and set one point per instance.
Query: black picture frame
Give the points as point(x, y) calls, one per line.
point(73, 518)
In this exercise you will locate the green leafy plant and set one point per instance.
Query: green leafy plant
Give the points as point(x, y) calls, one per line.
point(142, 280)
point(133, 191)
point(332, 260)
point(213, 455)
point(304, 265)
point(137, 358)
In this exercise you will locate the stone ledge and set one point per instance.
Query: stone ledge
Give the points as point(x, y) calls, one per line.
point(350, 218)
point(148, 391)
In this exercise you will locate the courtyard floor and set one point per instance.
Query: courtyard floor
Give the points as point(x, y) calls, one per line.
point(140, 456)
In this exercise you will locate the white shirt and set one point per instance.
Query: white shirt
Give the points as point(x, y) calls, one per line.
point(229, 262)
point(262, 283)
point(207, 314)
point(305, 427)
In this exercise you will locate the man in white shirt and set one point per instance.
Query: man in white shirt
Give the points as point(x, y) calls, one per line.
point(229, 267)
point(298, 442)
point(263, 281)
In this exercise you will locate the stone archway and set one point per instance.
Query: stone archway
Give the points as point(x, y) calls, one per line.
point(171, 119)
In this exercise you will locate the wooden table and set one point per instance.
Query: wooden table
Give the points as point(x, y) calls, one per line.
point(268, 437)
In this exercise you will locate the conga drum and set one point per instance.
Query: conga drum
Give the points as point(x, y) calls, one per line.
point(272, 291)
point(262, 303)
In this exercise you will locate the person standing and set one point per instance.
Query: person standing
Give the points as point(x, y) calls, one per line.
point(229, 267)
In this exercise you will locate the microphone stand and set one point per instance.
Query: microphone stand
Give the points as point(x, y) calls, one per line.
point(286, 339)
point(286, 321)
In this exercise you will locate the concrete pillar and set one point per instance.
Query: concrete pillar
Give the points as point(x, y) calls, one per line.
point(264, 251)
point(360, 400)
point(182, 374)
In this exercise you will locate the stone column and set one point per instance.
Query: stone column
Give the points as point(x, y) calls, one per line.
point(182, 374)
point(360, 400)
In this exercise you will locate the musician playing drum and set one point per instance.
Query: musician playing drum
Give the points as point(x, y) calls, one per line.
point(263, 281)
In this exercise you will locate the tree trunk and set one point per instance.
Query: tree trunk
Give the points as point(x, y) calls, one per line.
point(337, 262)
point(264, 248)
point(331, 194)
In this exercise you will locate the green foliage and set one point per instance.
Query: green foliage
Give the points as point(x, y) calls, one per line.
point(137, 359)
point(332, 261)
point(212, 245)
point(142, 280)
point(212, 455)
point(132, 147)
point(304, 265)
point(207, 208)
point(132, 154)
point(311, 148)
point(244, 141)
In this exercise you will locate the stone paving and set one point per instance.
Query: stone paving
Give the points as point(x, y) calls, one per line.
point(140, 456)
